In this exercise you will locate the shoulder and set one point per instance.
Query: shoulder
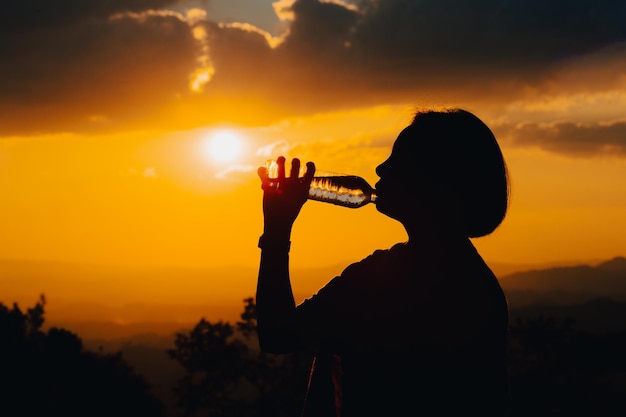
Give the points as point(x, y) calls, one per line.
point(378, 258)
point(359, 277)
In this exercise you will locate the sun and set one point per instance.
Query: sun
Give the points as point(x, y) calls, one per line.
point(224, 146)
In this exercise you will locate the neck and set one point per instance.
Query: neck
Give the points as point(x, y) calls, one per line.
point(432, 234)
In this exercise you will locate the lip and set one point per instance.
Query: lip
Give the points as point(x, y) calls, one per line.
point(378, 191)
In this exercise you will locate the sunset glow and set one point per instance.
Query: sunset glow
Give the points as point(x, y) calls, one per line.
point(135, 142)
point(200, 78)
point(224, 146)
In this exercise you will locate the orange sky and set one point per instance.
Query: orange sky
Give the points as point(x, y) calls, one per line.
point(154, 198)
point(105, 129)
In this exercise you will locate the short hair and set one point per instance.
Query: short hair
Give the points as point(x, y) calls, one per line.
point(462, 153)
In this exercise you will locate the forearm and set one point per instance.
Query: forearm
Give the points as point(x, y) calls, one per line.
point(274, 299)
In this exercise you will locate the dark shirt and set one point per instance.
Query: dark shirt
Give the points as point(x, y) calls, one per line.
point(409, 332)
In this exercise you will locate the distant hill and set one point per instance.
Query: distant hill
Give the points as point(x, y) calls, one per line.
point(596, 316)
point(567, 285)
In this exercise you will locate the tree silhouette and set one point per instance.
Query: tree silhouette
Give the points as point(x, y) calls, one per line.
point(214, 363)
point(248, 325)
point(228, 376)
point(50, 373)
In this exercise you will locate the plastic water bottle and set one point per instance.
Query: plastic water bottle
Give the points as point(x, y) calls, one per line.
point(342, 190)
point(329, 187)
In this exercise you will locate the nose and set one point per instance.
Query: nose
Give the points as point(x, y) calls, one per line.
point(381, 168)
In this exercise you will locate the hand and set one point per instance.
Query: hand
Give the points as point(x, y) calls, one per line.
point(283, 197)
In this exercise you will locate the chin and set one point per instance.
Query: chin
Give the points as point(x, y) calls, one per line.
point(384, 209)
point(391, 211)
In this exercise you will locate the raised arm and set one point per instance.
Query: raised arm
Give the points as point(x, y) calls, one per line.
point(283, 197)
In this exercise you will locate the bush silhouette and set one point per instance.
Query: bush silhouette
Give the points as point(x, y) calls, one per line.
point(49, 373)
point(228, 376)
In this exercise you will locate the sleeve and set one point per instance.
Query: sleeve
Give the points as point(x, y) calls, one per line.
point(333, 313)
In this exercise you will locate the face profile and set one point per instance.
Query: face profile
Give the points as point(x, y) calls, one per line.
point(446, 162)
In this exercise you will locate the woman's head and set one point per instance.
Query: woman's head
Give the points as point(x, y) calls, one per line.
point(452, 153)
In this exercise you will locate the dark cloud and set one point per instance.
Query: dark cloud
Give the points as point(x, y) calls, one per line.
point(65, 62)
point(395, 49)
point(23, 15)
point(573, 139)
point(489, 32)
point(103, 68)
point(320, 28)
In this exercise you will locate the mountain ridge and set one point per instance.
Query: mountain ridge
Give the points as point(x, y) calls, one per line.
point(567, 285)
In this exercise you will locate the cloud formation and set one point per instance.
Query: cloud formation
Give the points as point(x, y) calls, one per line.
point(75, 65)
point(396, 49)
point(24, 16)
point(71, 64)
point(574, 139)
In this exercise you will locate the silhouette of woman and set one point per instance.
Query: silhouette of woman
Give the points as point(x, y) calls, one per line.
point(419, 328)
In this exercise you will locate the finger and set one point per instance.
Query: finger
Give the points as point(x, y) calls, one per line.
point(310, 171)
point(295, 168)
point(280, 162)
point(263, 173)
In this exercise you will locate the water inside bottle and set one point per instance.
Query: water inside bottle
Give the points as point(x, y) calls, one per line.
point(345, 190)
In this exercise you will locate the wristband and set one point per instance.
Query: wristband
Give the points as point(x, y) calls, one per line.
point(274, 245)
